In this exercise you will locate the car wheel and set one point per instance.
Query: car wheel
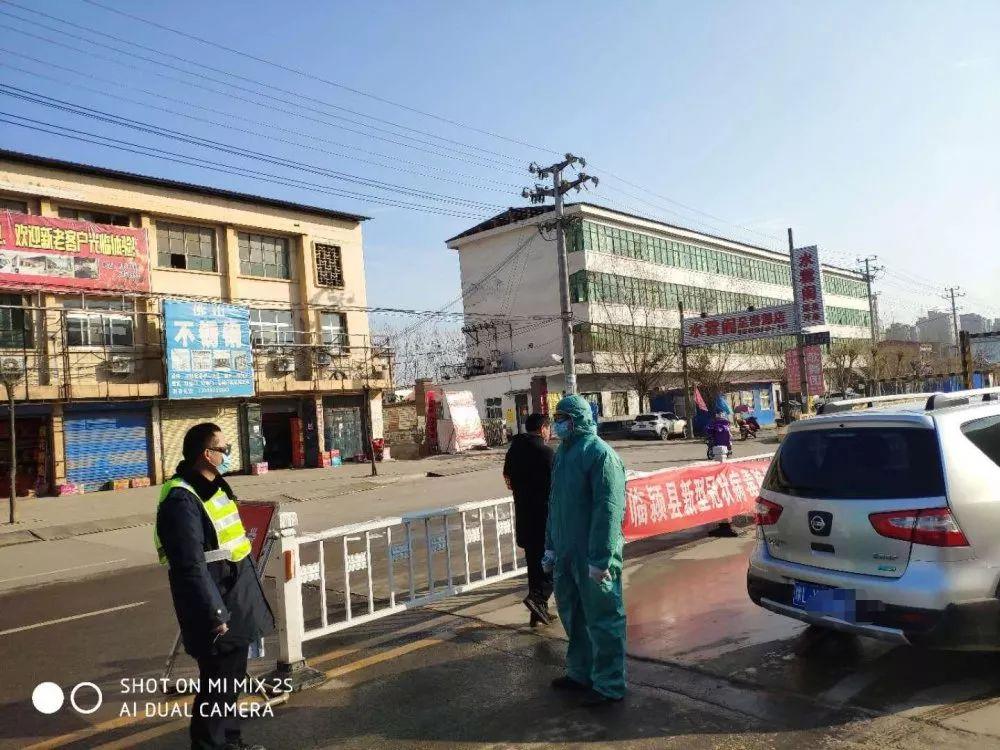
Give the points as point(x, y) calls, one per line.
point(664, 434)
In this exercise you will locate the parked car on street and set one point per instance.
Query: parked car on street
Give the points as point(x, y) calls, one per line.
point(660, 424)
point(885, 522)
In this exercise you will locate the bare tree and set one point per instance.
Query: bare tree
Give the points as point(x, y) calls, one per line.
point(844, 363)
point(641, 353)
point(711, 368)
point(422, 352)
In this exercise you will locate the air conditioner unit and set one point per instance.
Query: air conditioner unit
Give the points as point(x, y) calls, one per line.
point(121, 365)
point(284, 365)
point(323, 357)
point(11, 366)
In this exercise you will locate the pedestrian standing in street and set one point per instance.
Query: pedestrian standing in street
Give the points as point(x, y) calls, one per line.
point(527, 469)
point(584, 542)
point(218, 599)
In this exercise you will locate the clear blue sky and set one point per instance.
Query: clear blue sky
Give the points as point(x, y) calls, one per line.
point(868, 127)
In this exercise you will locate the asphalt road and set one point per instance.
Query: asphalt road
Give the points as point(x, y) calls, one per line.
point(322, 499)
point(708, 669)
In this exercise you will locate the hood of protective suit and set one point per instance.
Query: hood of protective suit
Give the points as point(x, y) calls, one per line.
point(578, 409)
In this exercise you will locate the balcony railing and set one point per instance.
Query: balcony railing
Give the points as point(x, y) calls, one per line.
point(56, 353)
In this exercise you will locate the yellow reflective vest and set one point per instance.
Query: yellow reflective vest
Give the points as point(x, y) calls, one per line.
point(225, 517)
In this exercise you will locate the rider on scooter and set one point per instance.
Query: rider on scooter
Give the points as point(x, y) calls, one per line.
point(718, 434)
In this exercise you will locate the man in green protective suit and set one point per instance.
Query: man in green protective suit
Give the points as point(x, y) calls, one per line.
point(584, 543)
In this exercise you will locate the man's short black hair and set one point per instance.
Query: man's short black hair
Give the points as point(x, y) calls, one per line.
point(535, 422)
point(197, 439)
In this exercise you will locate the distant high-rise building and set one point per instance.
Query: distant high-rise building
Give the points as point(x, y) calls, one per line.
point(901, 332)
point(936, 328)
point(974, 323)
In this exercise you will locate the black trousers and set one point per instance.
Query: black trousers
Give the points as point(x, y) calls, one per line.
point(539, 582)
point(220, 676)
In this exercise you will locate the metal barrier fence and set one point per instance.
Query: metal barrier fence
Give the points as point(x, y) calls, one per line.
point(378, 568)
point(382, 567)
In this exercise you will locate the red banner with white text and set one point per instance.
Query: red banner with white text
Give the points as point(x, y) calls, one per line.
point(43, 252)
point(689, 496)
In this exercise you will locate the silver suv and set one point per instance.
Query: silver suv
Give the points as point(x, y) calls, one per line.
point(885, 522)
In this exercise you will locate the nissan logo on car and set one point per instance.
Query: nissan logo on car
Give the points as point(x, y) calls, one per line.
point(820, 522)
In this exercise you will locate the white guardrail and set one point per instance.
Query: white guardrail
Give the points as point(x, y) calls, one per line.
point(378, 568)
point(384, 566)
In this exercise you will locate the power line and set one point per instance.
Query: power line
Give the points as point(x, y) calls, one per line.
point(488, 184)
point(326, 122)
point(328, 104)
point(103, 33)
point(96, 114)
point(86, 137)
point(474, 287)
point(314, 77)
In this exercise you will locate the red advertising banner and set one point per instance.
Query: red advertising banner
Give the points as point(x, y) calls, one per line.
point(46, 252)
point(807, 283)
point(739, 326)
point(814, 370)
point(256, 518)
point(688, 496)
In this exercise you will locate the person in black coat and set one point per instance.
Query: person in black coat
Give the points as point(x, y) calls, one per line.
point(220, 605)
point(527, 469)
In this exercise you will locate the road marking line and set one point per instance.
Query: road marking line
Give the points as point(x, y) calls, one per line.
point(61, 570)
point(177, 725)
point(378, 640)
point(104, 726)
point(168, 727)
point(392, 653)
point(71, 618)
point(122, 721)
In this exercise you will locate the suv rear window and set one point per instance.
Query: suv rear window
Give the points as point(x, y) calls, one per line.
point(646, 418)
point(985, 435)
point(858, 463)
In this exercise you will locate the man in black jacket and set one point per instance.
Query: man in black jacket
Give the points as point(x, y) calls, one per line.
point(527, 470)
point(218, 599)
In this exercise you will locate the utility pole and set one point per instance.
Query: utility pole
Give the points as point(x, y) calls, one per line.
point(559, 188)
point(799, 339)
point(688, 415)
point(951, 293)
point(869, 274)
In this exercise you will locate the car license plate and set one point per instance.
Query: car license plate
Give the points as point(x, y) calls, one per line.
point(825, 600)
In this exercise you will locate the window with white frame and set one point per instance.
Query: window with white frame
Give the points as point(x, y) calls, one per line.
point(272, 327)
point(99, 322)
point(263, 255)
point(185, 246)
point(334, 330)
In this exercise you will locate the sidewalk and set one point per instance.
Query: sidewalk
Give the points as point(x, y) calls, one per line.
point(53, 518)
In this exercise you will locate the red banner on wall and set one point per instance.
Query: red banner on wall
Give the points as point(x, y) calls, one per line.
point(46, 252)
point(689, 496)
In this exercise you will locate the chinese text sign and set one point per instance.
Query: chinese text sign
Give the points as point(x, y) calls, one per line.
point(757, 324)
point(689, 496)
point(808, 286)
point(46, 252)
point(208, 350)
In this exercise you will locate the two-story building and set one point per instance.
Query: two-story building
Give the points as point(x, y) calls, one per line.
point(272, 342)
point(627, 274)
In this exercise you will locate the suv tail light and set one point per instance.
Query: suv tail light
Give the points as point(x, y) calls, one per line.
point(767, 513)
point(935, 527)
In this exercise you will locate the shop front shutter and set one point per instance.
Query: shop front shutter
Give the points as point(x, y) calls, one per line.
point(106, 444)
point(177, 418)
